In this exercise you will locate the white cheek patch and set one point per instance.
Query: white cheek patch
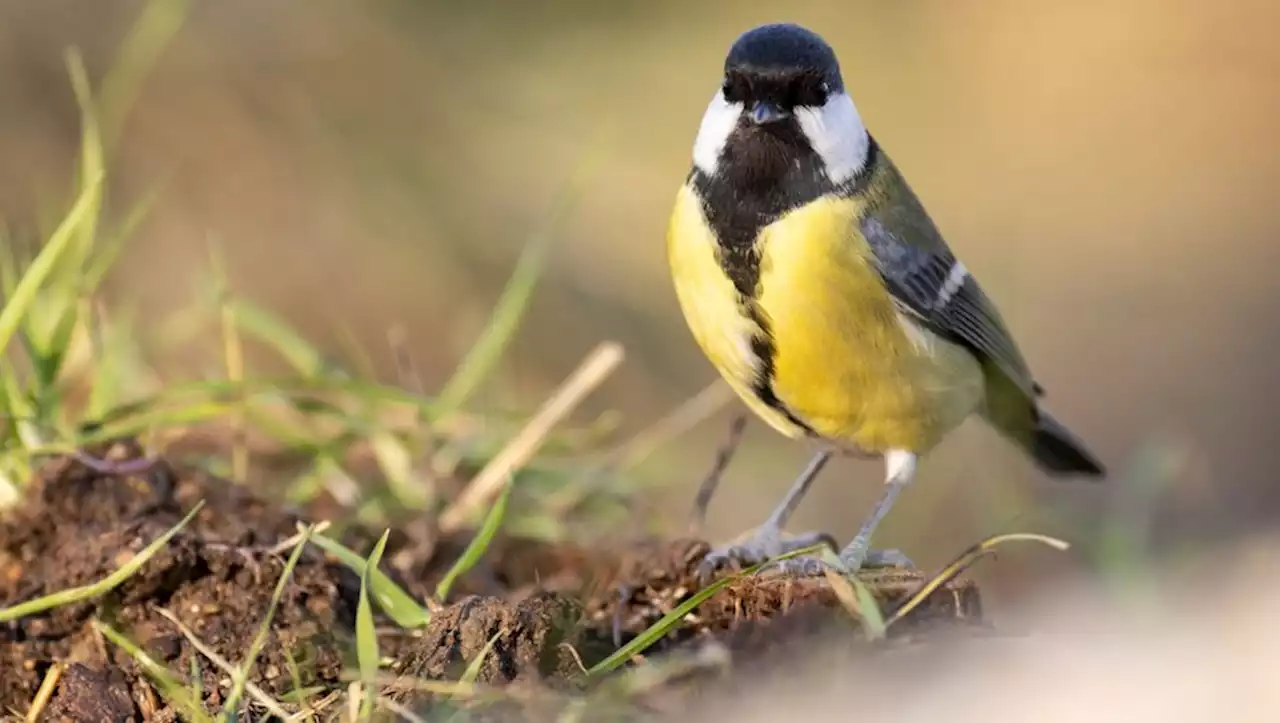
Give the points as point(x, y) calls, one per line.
point(838, 136)
point(717, 123)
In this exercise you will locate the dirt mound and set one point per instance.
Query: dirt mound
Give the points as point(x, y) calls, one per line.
point(217, 577)
point(542, 612)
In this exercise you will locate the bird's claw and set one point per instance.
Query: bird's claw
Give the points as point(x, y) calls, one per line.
point(809, 566)
point(751, 552)
point(805, 566)
point(887, 558)
point(760, 547)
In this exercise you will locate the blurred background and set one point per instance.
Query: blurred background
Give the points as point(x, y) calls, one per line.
point(1106, 168)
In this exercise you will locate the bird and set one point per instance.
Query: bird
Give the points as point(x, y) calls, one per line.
point(813, 279)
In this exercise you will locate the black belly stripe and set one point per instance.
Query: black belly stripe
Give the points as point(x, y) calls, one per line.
point(762, 174)
point(762, 347)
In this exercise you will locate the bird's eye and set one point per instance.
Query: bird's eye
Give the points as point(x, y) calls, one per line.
point(734, 90)
point(809, 91)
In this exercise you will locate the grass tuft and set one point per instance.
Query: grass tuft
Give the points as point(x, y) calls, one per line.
point(222, 664)
point(367, 634)
point(478, 545)
point(241, 676)
point(392, 599)
point(165, 682)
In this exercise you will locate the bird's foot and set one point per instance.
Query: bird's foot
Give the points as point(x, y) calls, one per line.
point(763, 544)
point(843, 564)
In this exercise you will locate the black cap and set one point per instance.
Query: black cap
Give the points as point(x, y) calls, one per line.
point(784, 49)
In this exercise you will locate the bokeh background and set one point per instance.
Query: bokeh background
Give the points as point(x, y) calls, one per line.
point(1108, 169)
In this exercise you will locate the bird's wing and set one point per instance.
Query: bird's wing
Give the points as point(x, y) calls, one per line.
point(932, 286)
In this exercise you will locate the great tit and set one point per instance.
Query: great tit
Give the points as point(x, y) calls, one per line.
point(816, 284)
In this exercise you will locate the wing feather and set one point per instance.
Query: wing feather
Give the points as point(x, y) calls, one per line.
point(929, 283)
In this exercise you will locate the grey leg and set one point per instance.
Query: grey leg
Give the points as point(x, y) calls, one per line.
point(900, 471)
point(767, 540)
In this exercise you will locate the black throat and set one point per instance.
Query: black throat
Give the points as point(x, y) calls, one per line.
point(763, 172)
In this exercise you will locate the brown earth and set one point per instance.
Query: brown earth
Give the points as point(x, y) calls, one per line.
point(550, 610)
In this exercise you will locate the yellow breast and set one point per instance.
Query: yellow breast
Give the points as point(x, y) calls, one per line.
point(845, 361)
point(711, 307)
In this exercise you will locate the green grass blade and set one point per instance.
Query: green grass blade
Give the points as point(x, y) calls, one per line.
point(659, 630)
point(223, 665)
point(870, 615)
point(472, 673)
point(57, 339)
point(197, 679)
point(478, 545)
point(28, 287)
point(116, 366)
point(92, 168)
point(242, 673)
point(23, 420)
point(150, 34)
point(486, 352)
point(353, 354)
point(855, 597)
point(146, 420)
point(394, 601)
point(299, 695)
point(284, 339)
point(963, 562)
point(109, 249)
point(8, 265)
point(366, 634)
point(110, 582)
point(168, 685)
point(279, 387)
point(859, 600)
point(396, 461)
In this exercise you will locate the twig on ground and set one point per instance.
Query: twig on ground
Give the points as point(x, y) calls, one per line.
point(258, 694)
point(709, 483)
point(484, 488)
point(122, 468)
point(624, 594)
point(637, 449)
point(45, 693)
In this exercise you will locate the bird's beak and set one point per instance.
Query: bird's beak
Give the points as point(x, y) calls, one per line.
point(763, 112)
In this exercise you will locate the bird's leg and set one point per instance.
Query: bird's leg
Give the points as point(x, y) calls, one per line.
point(767, 540)
point(900, 471)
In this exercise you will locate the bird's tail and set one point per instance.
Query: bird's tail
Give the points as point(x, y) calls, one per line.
point(1019, 417)
point(1059, 452)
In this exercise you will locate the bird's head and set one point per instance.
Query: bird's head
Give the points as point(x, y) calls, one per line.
point(782, 94)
